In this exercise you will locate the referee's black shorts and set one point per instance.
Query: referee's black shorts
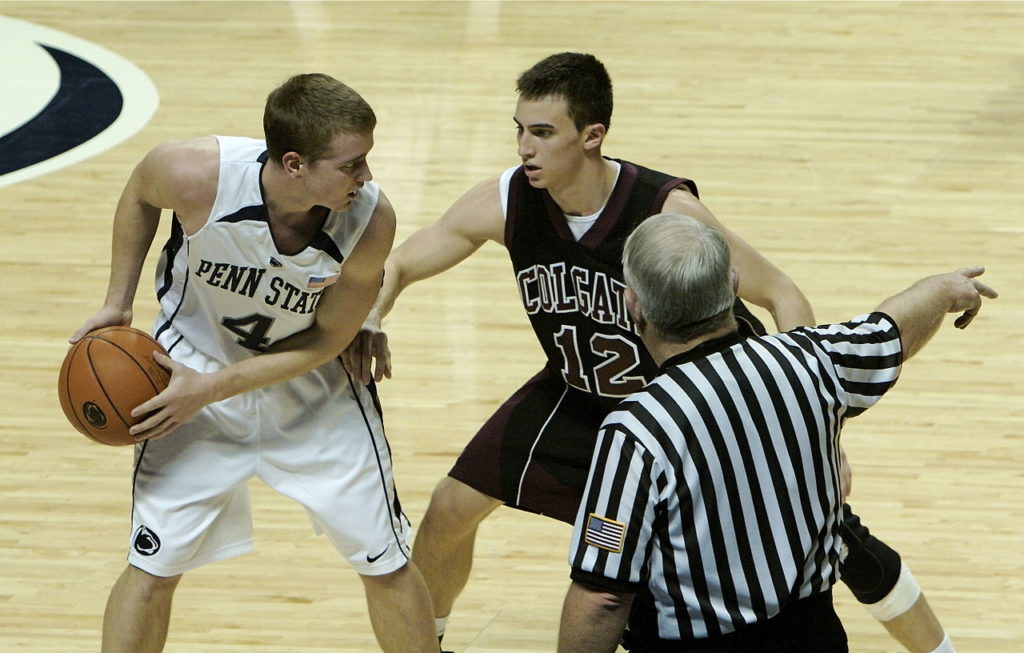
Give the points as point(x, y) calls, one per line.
point(810, 625)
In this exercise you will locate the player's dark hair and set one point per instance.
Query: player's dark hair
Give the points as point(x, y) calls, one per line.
point(308, 111)
point(580, 79)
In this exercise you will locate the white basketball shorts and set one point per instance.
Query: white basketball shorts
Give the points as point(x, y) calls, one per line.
point(317, 439)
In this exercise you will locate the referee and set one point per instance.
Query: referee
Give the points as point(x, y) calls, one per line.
point(712, 512)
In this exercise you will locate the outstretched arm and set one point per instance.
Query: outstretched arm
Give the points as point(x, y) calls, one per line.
point(918, 310)
point(761, 282)
point(475, 218)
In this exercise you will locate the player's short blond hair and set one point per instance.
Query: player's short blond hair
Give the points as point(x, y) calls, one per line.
point(308, 111)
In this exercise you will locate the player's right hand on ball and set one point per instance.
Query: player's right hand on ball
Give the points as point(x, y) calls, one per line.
point(369, 345)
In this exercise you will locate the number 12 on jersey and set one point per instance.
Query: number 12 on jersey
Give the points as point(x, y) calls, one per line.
point(609, 378)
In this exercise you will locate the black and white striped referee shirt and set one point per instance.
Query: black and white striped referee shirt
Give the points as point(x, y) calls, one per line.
point(714, 492)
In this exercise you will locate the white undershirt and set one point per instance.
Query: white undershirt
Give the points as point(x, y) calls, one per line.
point(581, 224)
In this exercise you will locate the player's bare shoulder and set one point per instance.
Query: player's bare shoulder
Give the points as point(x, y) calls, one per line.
point(681, 200)
point(382, 225)
point(384, 211)
point(182, 175)
point(478, 214)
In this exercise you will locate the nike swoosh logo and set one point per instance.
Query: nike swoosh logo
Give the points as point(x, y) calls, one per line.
point(372, 559)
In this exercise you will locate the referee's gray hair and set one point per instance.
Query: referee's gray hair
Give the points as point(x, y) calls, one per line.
point(679, 268)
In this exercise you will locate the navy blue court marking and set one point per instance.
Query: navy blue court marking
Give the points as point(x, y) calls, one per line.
point(63, 100)
point(87, 102)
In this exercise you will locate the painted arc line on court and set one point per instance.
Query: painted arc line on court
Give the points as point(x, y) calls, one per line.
point(57, 97)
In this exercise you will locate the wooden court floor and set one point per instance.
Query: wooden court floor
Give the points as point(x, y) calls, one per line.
point(858, 145)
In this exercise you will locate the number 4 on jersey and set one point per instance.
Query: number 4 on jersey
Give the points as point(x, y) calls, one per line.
point(252, 329)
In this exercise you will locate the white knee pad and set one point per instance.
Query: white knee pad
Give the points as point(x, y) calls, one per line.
point(901, 598)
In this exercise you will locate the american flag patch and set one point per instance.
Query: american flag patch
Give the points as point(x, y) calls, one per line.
point(604, 533)
point(322, 282)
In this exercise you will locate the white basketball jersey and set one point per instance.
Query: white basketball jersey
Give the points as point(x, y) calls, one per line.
point(227, 289)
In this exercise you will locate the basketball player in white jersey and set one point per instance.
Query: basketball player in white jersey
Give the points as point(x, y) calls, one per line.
point(275, 257)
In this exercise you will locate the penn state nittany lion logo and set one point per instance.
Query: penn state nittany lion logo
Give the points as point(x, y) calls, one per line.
point(94, 415)
point(145, 542)
point(64, 100)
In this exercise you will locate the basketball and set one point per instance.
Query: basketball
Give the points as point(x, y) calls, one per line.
point(104, 376)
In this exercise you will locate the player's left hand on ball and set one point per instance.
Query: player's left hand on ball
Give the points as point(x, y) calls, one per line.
point(104, 318)
point(184, 396)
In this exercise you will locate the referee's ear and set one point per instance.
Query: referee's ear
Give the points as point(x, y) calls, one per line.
point(633, 306)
